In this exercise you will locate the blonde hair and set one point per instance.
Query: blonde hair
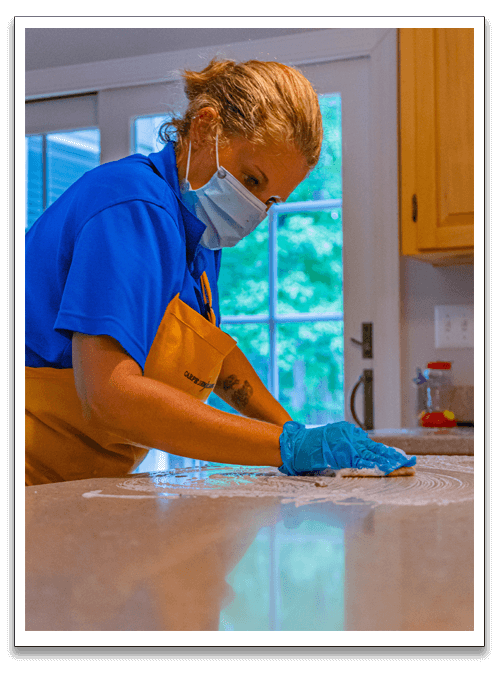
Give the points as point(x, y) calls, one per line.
point(261, 101)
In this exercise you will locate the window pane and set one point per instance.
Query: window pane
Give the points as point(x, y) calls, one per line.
point(34, 179)
point(253, 340)
point(244, 276)
point(146, 130)
point(69, 155)
point(311, 379)
point(310, 355)
point(310, 262)
point(325, 181)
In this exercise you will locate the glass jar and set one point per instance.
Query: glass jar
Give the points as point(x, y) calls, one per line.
point(434, 396)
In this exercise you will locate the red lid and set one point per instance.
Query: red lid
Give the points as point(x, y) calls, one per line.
point(439, 365)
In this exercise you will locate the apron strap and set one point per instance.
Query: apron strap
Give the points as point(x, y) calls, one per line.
point(207, 298)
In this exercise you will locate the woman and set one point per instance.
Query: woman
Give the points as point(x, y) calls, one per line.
point(122, 340)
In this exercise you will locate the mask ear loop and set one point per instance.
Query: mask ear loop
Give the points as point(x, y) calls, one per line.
point(188, 161)
point(220, 171)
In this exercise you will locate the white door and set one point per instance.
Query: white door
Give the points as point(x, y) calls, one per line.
point(350, 79)
point(370, 223)
point(266, 307)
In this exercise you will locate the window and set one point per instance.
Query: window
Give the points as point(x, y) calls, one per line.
point(54, 161)
point(145, 134)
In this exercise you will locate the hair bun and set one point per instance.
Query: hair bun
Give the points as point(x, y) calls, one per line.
point(197, 83)
point(260, 101)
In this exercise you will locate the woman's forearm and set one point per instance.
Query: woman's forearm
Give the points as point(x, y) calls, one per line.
point(154, 415)
point(118, 399)
point(240, 387)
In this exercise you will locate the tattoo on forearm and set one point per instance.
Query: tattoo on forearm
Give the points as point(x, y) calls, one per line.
point(230, 382)
point(240, 397)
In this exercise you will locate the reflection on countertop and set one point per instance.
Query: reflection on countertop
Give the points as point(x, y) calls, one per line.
point(134, 554)
point(428, 440)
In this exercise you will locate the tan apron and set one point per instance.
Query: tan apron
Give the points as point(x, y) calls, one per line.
point(187, 353)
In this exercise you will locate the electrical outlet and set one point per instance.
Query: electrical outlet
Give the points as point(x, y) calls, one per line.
point(454, 326)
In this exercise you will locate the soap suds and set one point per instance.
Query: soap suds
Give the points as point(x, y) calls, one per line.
point(375, 472)
point(437, 480)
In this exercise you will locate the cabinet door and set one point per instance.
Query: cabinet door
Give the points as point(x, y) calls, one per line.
point(437, 139)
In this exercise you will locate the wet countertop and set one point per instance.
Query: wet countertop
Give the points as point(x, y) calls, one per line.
point(428, 440)
point(248, 549)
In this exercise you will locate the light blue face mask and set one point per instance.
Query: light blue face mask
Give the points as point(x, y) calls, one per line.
point(228, 209)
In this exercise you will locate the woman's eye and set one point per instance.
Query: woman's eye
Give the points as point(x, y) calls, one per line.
point(251, 181)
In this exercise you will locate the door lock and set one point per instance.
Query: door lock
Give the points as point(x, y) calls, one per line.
point(367, 342)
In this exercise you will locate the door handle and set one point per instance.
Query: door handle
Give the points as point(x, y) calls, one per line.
point(366, 379)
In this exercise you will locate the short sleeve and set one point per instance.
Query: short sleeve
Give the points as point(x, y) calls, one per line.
point(127, 264)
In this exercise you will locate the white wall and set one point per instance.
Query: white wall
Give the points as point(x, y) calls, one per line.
point(422, 287)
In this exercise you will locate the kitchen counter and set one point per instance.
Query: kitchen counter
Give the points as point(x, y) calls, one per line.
point(426, 440)
point(223, 549)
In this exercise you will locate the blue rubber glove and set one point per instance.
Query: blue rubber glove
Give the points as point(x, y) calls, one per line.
point(335, 446)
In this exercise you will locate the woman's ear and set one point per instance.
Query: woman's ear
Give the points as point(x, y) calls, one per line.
point(203, 127)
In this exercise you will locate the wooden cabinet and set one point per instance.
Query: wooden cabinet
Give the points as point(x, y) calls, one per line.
point(437, 143)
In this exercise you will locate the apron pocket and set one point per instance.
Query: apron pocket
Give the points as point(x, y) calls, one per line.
point(188, 351)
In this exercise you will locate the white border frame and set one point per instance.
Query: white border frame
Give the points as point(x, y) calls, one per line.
point(465, 644)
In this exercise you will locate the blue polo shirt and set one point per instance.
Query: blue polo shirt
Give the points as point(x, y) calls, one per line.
point(108, 256)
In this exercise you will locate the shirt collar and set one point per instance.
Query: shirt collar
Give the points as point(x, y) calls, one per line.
point(165, 163)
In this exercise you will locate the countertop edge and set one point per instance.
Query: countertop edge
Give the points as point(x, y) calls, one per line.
point(427, 443)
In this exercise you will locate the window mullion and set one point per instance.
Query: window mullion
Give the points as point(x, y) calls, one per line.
point(45, 200)
point(308, 206)
point(273, 304)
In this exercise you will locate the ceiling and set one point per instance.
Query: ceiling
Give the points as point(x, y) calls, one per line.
point(49, 47)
